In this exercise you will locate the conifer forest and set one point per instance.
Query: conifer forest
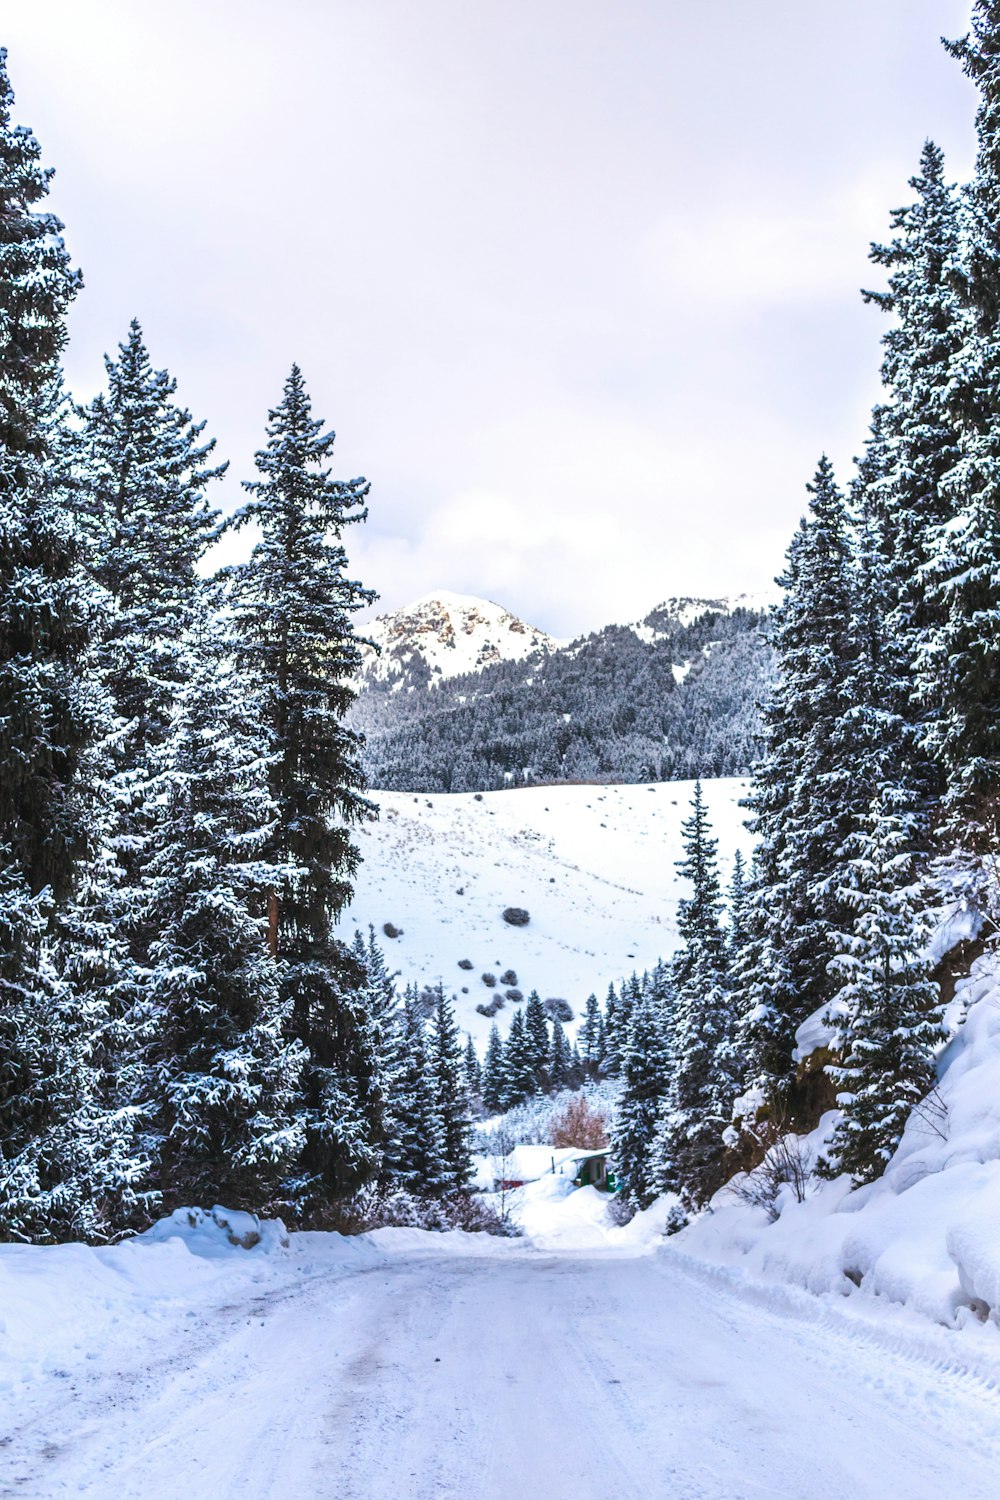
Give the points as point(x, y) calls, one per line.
point(197, 764)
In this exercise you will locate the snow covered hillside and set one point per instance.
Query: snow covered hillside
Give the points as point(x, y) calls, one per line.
point(445, 635)
point(592, 865)
point(926, 1233)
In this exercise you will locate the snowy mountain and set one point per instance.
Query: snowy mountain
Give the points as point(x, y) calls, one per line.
point(664, 618)
point(445, 635)
point(466, 697)
point(592, 865)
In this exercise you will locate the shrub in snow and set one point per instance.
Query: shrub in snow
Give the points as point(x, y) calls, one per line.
point(375, 1208)
point(579, 1123)
point(782, 1176)
point(391, 931)
point(489, 1008)
point(465, 963)
point(530, 1123)
point(516, 916)
point(514, 996)
point(489, 980)
point(508, 977)
point(559, 1010)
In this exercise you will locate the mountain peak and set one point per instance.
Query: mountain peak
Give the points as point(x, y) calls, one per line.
point(445, 634)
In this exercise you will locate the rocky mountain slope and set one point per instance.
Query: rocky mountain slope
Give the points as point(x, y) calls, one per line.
point(446, 635)
point(466, 697)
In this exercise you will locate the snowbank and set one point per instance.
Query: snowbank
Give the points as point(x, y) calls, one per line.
point(61, 1304)
point(927, 1234)
point(218, 1232)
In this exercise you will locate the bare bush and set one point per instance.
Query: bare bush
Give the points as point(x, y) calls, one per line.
point(559, 1010)
point(465, 963)
point(395, 1208)
point(785, 1165)
point(932, 1113)
point(516, 916)
point(578, 1123)
point(508, 977)
point(489, 980)
point(391, 930)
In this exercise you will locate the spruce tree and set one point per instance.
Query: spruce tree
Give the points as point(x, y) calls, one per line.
point(519, 1081)
point(960, 670)
point(293, 605)
point(473, 1074)
point(803, 797)
point(493, 1072)
point(414, 1156)
point(891, 1004)
point(703, 1080)
point(645, 1073)
point(141, 508)
point(49, 721)
point(591, 1039)
point(451, 1098)
point(560, 1061)
point(536, 1030)
point(225, 1078)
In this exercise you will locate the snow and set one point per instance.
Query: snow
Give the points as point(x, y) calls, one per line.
point(453, 634)
point(924, 1236)
point(403, 1364)
point(594, 866)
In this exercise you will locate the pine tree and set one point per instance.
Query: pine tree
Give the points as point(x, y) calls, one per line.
point(739, 916)
point(37, 284)
point(493, 1072)
point(141, 509)
point(803, 798)
point(518, 1065)
point(689, 1149)
point(473, 1074)
point(645, 1073)
point(414, 1156)
point(960, 666)
point(293, 605)
point(451, 1099)
point(560, 1061)
point(591, 1038)
point(889, 998)
point(49, 719)
point(536, 1030)
point(46, 611)
point(226, 1080)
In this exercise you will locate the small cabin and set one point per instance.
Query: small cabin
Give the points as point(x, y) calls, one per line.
point(592, 1171)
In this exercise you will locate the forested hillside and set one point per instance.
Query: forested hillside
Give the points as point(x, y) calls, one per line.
point(672, 698)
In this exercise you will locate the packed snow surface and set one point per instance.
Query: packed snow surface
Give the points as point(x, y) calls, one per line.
point(409, 1366)
point(594, 866)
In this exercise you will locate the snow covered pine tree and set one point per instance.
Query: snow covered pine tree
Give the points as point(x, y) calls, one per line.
point(293, 604)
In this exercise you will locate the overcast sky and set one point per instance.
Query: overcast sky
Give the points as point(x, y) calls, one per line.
point(575, 281)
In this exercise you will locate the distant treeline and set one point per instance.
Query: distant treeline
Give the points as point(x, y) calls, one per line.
point(607, 707)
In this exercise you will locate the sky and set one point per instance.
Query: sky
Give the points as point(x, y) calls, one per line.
point(575, 281)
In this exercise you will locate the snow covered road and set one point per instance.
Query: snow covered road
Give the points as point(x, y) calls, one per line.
point(514, 1374)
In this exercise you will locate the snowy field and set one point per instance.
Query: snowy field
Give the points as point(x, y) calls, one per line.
point(408, 1366)
point(593, 865)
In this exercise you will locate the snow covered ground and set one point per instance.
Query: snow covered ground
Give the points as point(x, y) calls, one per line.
point(926, 1235)
point(593, 865)
point(408, 1366)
